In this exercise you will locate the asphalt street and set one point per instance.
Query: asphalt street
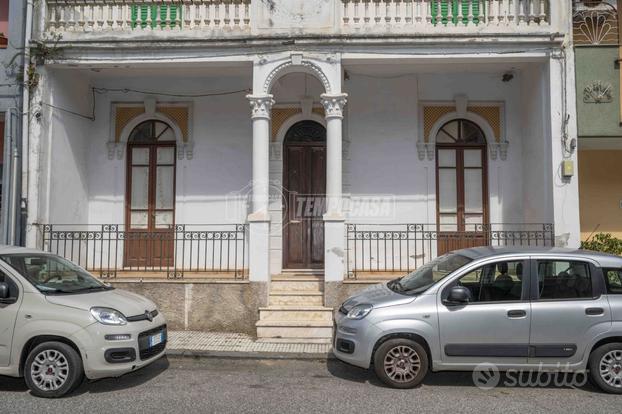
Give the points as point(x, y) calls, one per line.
point(208, 385)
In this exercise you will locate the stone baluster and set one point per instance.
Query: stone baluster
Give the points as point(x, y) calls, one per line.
point(226, 19)
point(532, 11)
point(51, 21)
point(71, 23)
point(470, 15)
point(198, 15)
point(439, 12)
point(490, 11)
point(109, 17)
point(408, 12)
point(511, 12)
point(167, 16)
point(178, 22)
point(481, 17)
point(128, 16)
point(356, 18)
point(460, 18)
point(387, 12)
point(158, 16)
point(521, 13)
point(377, 11)
point(428, 11)
point(543, 17)
point(216, 14)
point(366, 15)
point(236, 14)
point(397, 16)
point(187, 7)
point(247, 16)
point(346, 12)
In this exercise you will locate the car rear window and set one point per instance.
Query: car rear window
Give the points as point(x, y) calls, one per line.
point(613, 278)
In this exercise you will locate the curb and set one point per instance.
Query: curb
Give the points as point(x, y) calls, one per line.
point(189, 353)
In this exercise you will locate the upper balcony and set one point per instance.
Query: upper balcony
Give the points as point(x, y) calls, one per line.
point(119, 20)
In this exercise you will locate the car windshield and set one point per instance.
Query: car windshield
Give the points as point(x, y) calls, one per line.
point(53, 275)
point(428, 274)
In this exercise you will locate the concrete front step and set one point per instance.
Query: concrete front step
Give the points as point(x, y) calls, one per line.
point(294, 329)
point(296, 285)
point(296, 299)
point(297, 278)
point(296, 313)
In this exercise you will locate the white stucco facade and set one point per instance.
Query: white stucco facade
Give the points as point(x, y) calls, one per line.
point(369, 94)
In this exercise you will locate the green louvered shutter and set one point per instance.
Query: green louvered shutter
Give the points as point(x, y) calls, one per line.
point(144, 14)
point(454, 11)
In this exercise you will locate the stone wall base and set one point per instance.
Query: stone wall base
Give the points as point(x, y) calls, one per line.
point(218, 307)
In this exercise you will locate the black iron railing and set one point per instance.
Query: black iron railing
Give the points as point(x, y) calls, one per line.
point(109, 249)
point(401, 248)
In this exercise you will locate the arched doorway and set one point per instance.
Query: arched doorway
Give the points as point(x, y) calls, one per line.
point(304, 185)
point(461, 186)
point(150, 195)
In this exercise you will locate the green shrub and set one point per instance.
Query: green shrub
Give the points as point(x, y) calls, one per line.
point(603, 242)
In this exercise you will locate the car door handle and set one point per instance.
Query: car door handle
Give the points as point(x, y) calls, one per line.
point(517, 313)
point(594, 311)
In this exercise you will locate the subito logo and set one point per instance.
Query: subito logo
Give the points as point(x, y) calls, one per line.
point(486, 376)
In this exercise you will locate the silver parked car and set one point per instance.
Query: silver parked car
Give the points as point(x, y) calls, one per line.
point(535, 308)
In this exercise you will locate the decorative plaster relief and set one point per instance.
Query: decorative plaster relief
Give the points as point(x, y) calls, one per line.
point(598, 92)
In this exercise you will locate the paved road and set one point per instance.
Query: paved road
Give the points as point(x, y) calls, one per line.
point(278, 386)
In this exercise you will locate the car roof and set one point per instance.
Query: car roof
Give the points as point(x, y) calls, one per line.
point(603, 259)
point(7, 249)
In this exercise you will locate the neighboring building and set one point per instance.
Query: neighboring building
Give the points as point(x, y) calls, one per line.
point(429, 126)
point(11, 56)
point(599, 115)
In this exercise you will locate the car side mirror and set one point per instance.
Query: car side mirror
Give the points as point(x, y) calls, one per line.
point(4, 290)
point(458, 295)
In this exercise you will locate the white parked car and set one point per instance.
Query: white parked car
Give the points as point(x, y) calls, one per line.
point(59, 324)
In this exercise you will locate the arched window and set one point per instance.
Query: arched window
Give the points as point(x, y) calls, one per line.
point(152, 131)
point(460, 132)
point(150, 194)
point(461, 184)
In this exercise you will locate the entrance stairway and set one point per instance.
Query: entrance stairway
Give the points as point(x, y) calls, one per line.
point(295, 311)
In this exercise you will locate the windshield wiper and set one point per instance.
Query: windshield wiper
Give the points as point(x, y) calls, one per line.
point(85, 289)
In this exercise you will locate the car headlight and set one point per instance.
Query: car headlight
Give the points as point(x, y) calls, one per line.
point(359, 311)
point(108, 316)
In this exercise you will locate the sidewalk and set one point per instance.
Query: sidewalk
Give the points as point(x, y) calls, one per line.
point(236, 345)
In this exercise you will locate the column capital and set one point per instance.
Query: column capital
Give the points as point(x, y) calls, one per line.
point(261, 105)
point(334, 104)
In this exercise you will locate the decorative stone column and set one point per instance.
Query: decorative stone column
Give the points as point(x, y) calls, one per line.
point(259, 219)
point(334, 230)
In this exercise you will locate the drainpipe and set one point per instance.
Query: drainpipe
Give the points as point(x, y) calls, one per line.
point(25, 119)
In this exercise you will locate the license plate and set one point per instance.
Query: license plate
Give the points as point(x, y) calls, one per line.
point(156, 339)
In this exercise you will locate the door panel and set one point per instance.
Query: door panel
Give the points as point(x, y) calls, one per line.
point(150, 204)
point(462, 206)
point(493, 327)
point(562, 325)
point(305, 183)
point(8, 315)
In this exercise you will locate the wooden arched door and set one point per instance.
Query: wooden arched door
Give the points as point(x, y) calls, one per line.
point(304, 185)
point(150, 196)
point(461, 186)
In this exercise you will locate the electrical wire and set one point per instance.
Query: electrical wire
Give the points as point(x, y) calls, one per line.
point(100, 91)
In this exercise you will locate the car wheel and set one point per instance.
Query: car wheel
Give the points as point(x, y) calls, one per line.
point(53, 369)
point(401, 363)
point(606, 367)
